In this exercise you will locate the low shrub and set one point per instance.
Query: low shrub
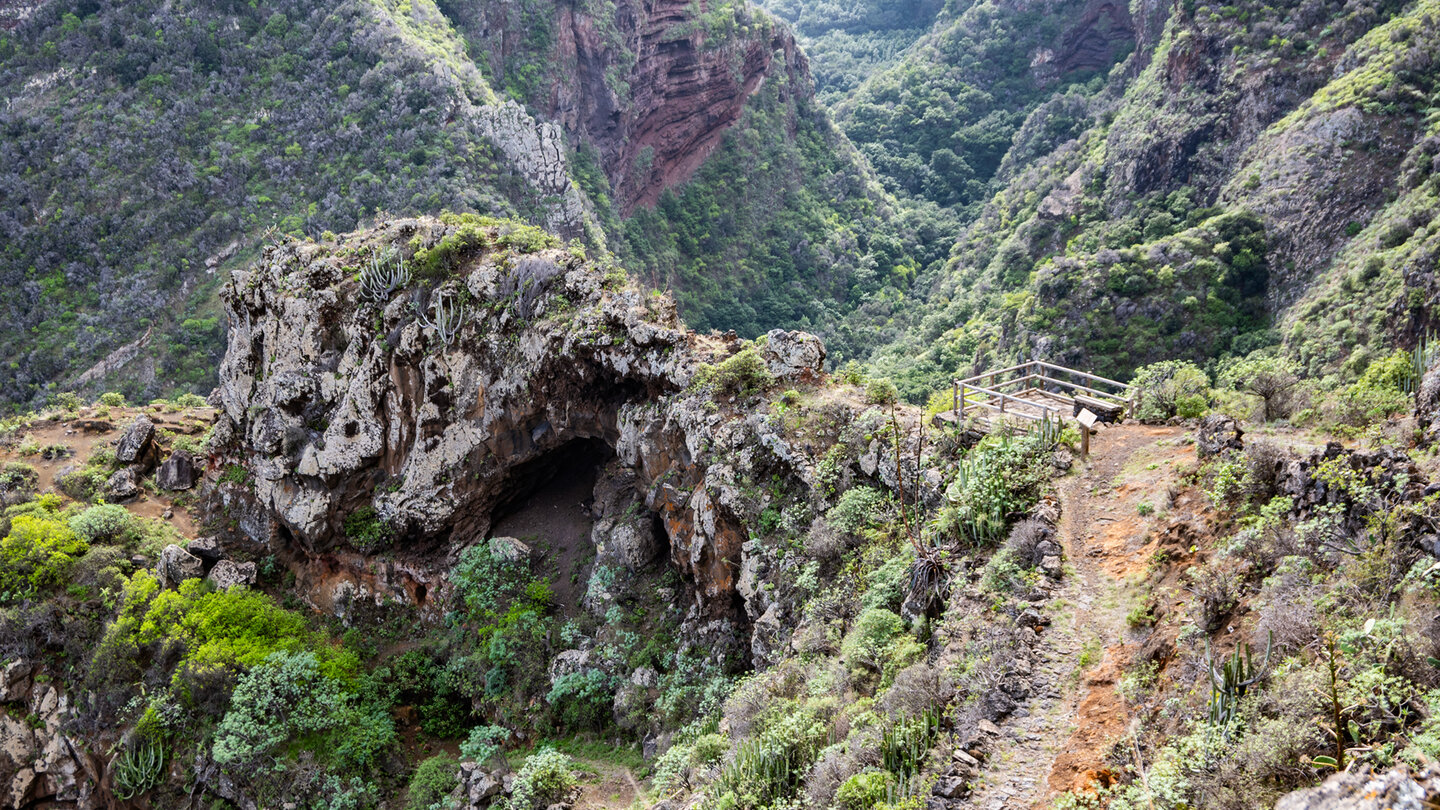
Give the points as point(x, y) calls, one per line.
point(102, 523)
point(432, 782)
point(546, 778)
point(112, 399)
point(864, 791)
point(37, 554)
point(1166, 388)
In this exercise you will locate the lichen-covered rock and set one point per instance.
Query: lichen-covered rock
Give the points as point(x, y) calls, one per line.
point(1362, 789)
point(1218, 433)
point(797, 356)
point(123, 484)
point(40, 765)
point(177, 565)
point(135, 443)
point(229, 574)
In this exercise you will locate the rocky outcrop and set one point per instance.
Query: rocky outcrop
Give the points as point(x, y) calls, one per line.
point(1362, 789)
point(337, 403)
point(178, 472)
point(40, 765)
point(657, 86)
point(537, 152)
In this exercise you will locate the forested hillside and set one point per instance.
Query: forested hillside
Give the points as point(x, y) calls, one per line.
point(1250, 179)
point(151, 147)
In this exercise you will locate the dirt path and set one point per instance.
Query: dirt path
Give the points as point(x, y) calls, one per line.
point(614, 788)
point(1060, 738)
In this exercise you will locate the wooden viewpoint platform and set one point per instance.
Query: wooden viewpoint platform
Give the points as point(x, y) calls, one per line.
point(1036, 392)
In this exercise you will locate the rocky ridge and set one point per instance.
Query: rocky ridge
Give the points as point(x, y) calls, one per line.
point(337, 404)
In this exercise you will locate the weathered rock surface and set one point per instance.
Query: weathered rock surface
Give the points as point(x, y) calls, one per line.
point(332, 414)
point(229, 574)
point(1395, 789)
point(177, 472)
point(177, 565)
point(1218, 433)
point(123, 484)
point(40, 765)
point(134, 446)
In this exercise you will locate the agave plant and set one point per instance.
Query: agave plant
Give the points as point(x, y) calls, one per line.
point(137, 770)
point(1234, 677)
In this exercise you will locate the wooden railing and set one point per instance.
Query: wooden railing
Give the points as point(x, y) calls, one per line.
point(1033, 391)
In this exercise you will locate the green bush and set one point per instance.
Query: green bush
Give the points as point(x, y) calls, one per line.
point(112, 399)
point(864, 791)
point(208, 630)
point(366, 531)
point(191, 401)
point(1163, 387)
point(583, 699)
point(869, 642)
point(37, 554)
point(858, 508)
point(545, 779)
point(1001, 477)
point(283, 697)
point(483, 743)
point(102, 523)
point(881, 391)
point(83, 484)
point(433, 781)
point(742, 374)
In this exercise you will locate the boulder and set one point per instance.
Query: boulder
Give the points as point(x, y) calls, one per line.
point(1362, 789)
point(178, 472)
point(1218, 434)
point(206, 548)
point(794, 356)
point(136, 442)
point(228, 574)
point(177, 565)
point(510, 549)
point(123, 484)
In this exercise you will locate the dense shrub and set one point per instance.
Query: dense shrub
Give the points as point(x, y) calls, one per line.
point(37, 554)
point(858, 508)
point(102, 523)
point(283, 697)
point(742, 374)
point(432, 782)
point(864, 791)
point(545, 779)
point(1164, 388)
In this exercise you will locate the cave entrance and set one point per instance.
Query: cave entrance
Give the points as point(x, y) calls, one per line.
point(546, 504)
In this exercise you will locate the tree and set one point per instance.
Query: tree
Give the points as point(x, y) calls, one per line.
point(1269, 377)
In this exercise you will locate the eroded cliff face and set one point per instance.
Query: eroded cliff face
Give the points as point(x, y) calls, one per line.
point(338, 403)
point(653, 85)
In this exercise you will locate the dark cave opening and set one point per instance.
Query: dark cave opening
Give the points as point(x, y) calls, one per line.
point(547, 504)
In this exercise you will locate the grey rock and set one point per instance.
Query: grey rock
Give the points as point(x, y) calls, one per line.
point(177, 565)
point(136, 441)
point(1218, 433)
point(177, 473)
point(1395, 789)
point(794, 356)
point(510, 549)
point(206, 548)
point(123, 484)
point(229, 574)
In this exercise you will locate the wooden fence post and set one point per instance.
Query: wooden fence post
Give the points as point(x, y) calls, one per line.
point(1084, 442)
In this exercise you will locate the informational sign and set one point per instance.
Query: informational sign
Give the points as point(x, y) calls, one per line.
point(1087, 418)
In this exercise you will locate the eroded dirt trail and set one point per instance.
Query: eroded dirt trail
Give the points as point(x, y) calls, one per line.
point(1059, 739)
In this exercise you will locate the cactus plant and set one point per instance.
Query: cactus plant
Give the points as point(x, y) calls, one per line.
point(379, 279)
point(1229, 683)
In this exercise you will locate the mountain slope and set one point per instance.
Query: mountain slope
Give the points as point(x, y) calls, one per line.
point(1308, 130)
